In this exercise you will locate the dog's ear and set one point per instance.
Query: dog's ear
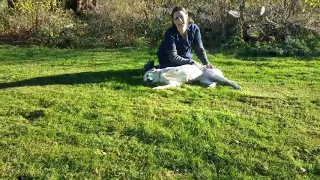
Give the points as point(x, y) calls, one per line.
point(149, 65)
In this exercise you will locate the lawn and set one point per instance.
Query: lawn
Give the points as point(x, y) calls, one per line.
point(77, 114)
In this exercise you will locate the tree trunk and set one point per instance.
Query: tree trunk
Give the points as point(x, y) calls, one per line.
point(241, 18)
point(78, 6)
point(11, 3)
point(81, 6)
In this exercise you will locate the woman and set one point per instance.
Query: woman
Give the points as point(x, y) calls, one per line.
point(175, 49)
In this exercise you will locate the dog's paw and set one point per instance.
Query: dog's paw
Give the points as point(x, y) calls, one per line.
point(238, 88)
point(212, 85)
point(235, 85)
point(159, 87)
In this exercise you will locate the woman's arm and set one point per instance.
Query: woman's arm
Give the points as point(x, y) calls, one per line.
point(199, 49)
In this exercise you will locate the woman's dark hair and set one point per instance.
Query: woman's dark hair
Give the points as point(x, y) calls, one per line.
point(179, 8)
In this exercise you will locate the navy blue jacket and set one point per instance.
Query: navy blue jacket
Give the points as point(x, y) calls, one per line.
point(175, 50)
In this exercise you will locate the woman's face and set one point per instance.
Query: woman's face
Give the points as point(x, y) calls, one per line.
point(180, 19)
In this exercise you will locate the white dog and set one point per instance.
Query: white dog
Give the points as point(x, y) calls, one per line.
point(176, 76)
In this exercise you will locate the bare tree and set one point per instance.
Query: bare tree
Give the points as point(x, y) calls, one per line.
point(82, 6)
point(78, 6)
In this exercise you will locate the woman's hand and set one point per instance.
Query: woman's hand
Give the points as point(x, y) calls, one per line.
point(210, 66)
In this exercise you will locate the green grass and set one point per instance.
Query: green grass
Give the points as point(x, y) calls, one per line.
point(76, 114)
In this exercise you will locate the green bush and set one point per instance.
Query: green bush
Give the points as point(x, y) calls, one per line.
point(143, 23)
point(290, 47)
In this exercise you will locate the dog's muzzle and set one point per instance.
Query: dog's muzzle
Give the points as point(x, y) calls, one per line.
point(149, 80)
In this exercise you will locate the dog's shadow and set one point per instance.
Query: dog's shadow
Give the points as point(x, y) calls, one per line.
point(129, 76)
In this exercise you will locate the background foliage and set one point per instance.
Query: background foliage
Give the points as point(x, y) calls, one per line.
point(113, 23)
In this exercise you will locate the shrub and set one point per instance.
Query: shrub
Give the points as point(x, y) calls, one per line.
point(290, 47)
point(139, 23)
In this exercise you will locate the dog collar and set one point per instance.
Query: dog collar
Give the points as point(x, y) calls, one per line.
point(159, 72)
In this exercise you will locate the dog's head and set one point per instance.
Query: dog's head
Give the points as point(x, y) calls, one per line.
point(152, 76)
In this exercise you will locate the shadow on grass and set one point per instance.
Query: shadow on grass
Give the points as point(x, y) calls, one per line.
point(128, 76)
